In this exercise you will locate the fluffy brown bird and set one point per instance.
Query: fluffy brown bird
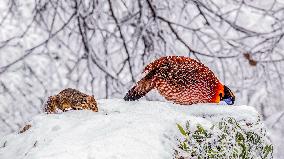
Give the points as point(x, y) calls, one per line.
point(182, 80)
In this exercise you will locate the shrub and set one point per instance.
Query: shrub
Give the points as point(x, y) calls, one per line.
point(225, 139)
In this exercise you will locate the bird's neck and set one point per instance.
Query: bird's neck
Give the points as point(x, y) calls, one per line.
point(218, 89)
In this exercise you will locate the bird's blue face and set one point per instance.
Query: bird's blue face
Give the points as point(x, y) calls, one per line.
point(228, 97)
point(229, 101)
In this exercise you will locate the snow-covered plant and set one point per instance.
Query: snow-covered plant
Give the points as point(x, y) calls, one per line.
point(225, 139)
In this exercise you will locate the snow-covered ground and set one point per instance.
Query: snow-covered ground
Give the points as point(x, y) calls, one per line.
point(120, 129)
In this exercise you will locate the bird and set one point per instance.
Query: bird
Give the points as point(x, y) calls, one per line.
point(182, 80)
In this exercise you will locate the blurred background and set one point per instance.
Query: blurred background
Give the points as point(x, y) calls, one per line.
point(101, 47)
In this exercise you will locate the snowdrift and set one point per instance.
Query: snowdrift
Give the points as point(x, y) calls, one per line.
point(140, 129)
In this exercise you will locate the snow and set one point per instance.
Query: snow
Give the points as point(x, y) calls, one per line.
point(274, 124)
point(140, 129)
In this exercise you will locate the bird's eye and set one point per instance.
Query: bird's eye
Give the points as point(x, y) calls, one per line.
point(220, 96)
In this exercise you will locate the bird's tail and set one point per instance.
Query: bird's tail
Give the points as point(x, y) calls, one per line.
point(141, 88)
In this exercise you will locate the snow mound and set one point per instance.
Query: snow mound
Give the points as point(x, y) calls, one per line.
point(140, 129)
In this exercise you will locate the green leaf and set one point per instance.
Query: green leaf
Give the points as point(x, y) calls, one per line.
point(267, 150)
point(201, 129)
point(184, 146)
point(182, 131)
point(227, 138)
point(240, 137)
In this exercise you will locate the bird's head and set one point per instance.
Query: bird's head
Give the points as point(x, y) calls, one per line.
point(227, 96)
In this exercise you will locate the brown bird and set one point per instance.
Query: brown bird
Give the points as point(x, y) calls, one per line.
point(182, 80)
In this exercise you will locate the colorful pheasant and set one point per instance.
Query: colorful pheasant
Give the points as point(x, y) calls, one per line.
point(182, 80)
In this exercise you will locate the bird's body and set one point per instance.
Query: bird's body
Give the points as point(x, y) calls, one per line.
point(179, 79)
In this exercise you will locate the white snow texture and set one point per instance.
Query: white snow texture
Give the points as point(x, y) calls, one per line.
point(120, 129)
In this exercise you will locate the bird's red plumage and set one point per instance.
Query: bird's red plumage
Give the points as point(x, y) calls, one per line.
point(182, 80)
